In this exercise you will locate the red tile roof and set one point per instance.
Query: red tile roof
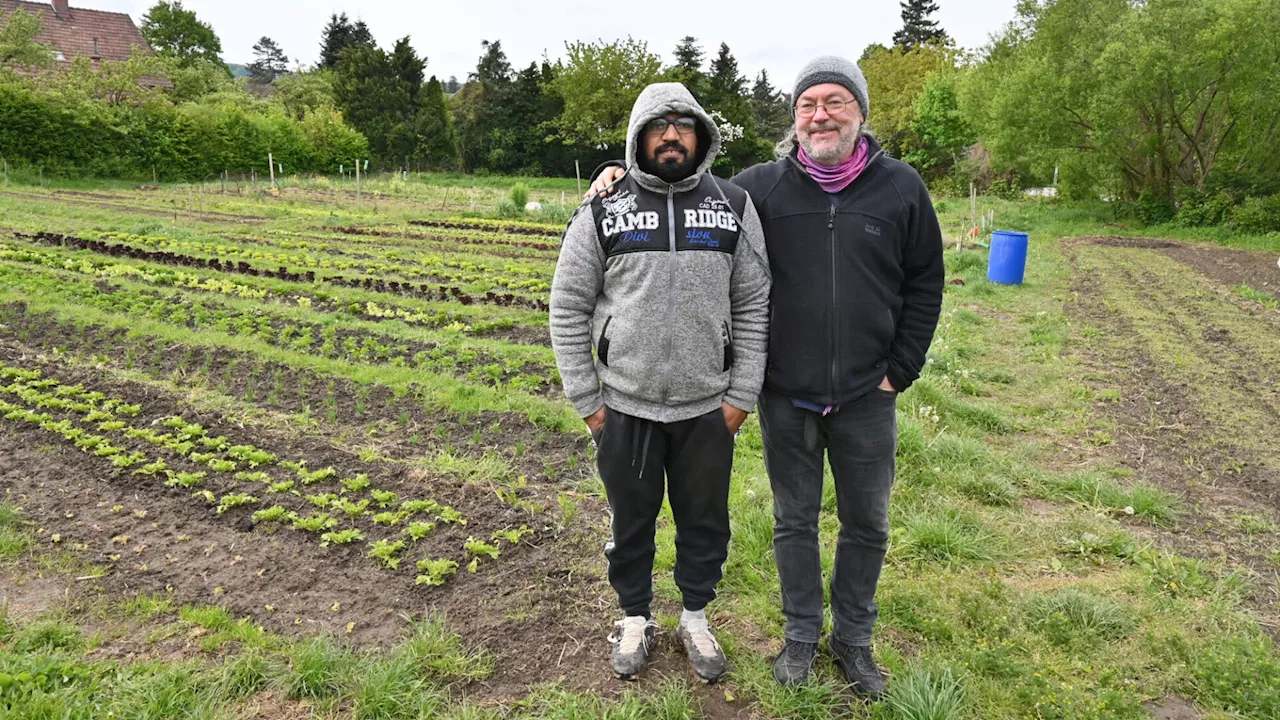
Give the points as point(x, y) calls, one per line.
point(73, 34)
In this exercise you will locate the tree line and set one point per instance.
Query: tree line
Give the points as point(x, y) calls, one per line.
point(1169, 107)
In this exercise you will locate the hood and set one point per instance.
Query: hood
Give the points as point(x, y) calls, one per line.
point(655, 101)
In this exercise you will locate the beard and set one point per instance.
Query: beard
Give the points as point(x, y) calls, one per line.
point(832, 153)
point(670, 169)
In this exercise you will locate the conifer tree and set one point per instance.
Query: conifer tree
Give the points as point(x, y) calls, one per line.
point(270, 61)
point(687, 69)
point(918, 27)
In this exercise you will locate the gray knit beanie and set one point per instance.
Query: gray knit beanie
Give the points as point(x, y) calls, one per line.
point(832, 69)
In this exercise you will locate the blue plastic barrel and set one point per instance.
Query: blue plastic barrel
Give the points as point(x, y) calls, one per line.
point(1008, 260)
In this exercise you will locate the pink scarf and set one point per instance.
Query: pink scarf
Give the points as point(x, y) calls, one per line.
point(834, 178)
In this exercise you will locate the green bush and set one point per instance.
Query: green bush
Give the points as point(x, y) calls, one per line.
point(66, 135)
point(519, 195)
point(1205, 210)
point(1257, 215)
point(1006, 188)
point(1150, 209)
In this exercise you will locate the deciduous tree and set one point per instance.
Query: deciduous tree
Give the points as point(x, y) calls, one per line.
point(174, 31)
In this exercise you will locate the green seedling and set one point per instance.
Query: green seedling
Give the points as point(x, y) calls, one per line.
point(384, 498)
point(356, 484)
point(315, 476)
point(352, 509)
point(389, 518)
point(447, 514)
point(385, 551)
point(512, 536)
point(315, 523)
point(234, 500)
point(186, 479)
point(275, 513)
point(155, 468)
point(479, 549)
point(322, 500)
point(418, 530)
point(419, 506)
point(341, 537)
point(281, 487)
point(435, 572)
point(250, 454)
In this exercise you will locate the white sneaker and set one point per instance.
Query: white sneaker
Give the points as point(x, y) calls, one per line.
point(631, 642)
point(704, 651)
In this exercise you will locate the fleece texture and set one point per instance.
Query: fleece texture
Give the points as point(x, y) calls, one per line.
point(668, 284)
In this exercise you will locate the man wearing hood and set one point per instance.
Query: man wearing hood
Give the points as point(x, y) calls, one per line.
point(668, 280)
point(856, 256)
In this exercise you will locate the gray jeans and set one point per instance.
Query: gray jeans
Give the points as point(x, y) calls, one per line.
point(860, 440)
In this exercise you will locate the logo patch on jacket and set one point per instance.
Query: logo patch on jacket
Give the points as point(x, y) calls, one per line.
point(638, 220)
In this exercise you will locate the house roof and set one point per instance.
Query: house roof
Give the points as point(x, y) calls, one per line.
point(72, 35)
point(79, 32)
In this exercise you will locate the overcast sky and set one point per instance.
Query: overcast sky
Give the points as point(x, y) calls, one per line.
point(449, 33)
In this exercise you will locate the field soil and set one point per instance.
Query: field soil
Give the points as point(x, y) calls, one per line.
point(1196, 369)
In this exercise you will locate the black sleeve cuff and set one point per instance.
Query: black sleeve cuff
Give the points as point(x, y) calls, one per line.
point(600, 168)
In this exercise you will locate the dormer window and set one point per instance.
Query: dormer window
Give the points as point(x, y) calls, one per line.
point(96, 55)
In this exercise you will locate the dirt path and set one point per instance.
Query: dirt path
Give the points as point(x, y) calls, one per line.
point(1197, 372)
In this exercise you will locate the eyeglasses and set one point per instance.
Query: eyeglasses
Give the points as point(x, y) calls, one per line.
point(683, 125)
point(833, 107)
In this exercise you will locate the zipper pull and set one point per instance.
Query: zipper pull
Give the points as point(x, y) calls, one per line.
point(831, 221)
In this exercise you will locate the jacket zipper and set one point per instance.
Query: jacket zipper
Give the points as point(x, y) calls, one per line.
point(831, 225)
point(671, 301)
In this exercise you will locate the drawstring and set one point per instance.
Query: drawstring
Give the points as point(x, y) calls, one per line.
point(635, 443)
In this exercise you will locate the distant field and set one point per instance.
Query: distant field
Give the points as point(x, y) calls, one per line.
point(296, 452)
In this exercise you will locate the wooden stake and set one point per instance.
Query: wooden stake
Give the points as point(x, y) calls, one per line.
point(271, 163)
point(578, 172)
point(358, 180)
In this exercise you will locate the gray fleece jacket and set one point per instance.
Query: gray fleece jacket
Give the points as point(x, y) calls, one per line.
point(667, 282)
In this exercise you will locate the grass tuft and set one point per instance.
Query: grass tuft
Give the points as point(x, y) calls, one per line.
point(927, 695)
point(1072, 616)
point(317, 669)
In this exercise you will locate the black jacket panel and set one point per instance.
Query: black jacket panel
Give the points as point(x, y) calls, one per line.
point(857, 279)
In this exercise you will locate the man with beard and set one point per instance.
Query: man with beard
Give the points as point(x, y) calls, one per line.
point(667, 278)
point(856, 254)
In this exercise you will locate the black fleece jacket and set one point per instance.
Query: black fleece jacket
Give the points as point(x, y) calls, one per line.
point(857, 277)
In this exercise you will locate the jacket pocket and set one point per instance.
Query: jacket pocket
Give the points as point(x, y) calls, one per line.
point(602, 347)
point(728, 347)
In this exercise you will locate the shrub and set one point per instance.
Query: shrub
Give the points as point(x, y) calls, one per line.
point(1257, 215)
point(519, 195)
point(1204, 210)
point(1150, 209)
point(1006, 188)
